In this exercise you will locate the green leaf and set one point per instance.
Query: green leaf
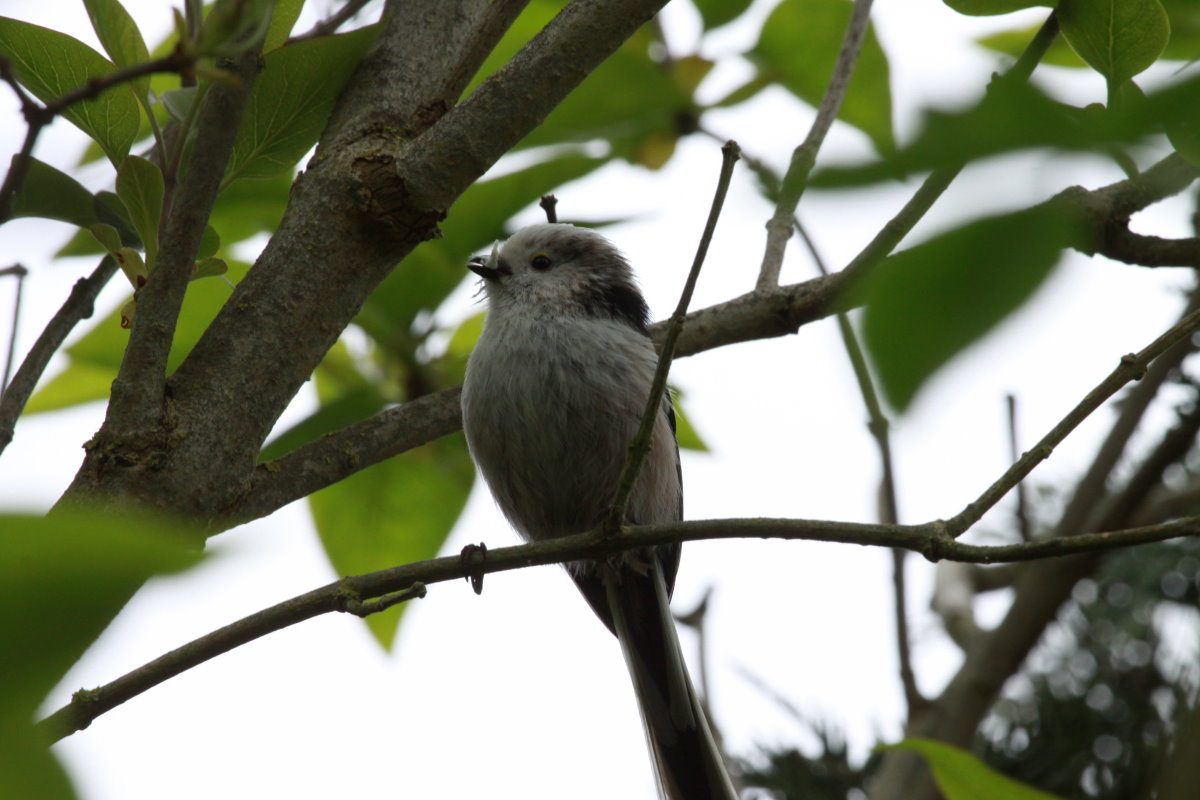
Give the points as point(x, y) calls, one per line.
point(120, 38)
point(962, 776)
point(51, 64)
point(47, 192)
point(210, 243)
point(1014, 42)
point(178, 102)
point(94, 359)
point(685, 433)
point(395, 512)
point(283, 19)
point(1118, 38)
point(70, 573)
point(715, 13)
point(209, 268)
point(106, 236)
point(1015, 116)
point(798, 46)
point(140, 187)
point(926, 304)
point(1185, 30)
point(27, 767)
point(989, 8)
point(291, 100)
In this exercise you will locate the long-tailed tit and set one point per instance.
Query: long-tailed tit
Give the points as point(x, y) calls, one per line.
point(554, 392)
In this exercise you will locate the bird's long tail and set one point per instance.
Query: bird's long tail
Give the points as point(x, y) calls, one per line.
point(688, 763)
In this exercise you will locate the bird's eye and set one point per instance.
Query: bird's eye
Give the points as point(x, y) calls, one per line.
point(541, 261)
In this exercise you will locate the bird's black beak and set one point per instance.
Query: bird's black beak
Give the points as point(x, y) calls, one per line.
point(480, 268)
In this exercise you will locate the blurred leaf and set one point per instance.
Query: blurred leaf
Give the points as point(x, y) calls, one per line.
point(50, 64)
point(27, 767)
point(689, 71)
point(395, 512)
point(95, 358)
point(283, 19)
point(1185, 30)
point(120, 37)
point(988, 8)
point(926, 304)
point(210, 243)
point(602, 107)
point(1118, 38)
point(209, 268)
point(140, 187)
point(178, 102)
point(1015, 116)
point(798, 46)
point(655, 150)
point(475, 220)
point(715, 13)
point(70, 573)
point(1014, 42)
point(50, 193)
point(685, 432)
point(250, 207)
point(291, 100)
point(106, 236)
point(962, 776)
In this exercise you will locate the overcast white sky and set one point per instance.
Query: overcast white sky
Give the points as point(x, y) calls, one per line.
point(520, 693)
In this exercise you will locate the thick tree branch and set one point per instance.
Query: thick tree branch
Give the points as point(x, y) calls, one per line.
point(390, 163)
point(350, 594)
point(138, 398)
point(78, 306)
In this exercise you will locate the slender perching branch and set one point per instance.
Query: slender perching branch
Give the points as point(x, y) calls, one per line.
point(343, 595)
point(779, 228)
point(78, 306)
point(639, 447)
point(1132, 367)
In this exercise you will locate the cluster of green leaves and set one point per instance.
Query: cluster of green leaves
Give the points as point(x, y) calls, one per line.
point(927, 304)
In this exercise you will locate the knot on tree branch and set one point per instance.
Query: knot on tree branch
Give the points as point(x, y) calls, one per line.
point(383, 197)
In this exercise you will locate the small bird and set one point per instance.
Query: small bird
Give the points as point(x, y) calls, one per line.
point(554, 391)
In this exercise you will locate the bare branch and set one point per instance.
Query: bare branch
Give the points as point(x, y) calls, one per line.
point(19, 272)
point(330, 24)
point(779, 228)
point(78, 306)
point(639, 446)
point(1132, 367)
point(595, 544)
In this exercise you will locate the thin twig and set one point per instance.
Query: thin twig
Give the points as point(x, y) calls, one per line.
point(1132, 367)
point(891, 234)
point(889, 513)
point(38, 117)
point(330, 24)
point(596, 544)
point(1024, 527)
point(19, 272)
point(78, 306)
point(549, 204)
point(779, 228)
point(639, 447)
